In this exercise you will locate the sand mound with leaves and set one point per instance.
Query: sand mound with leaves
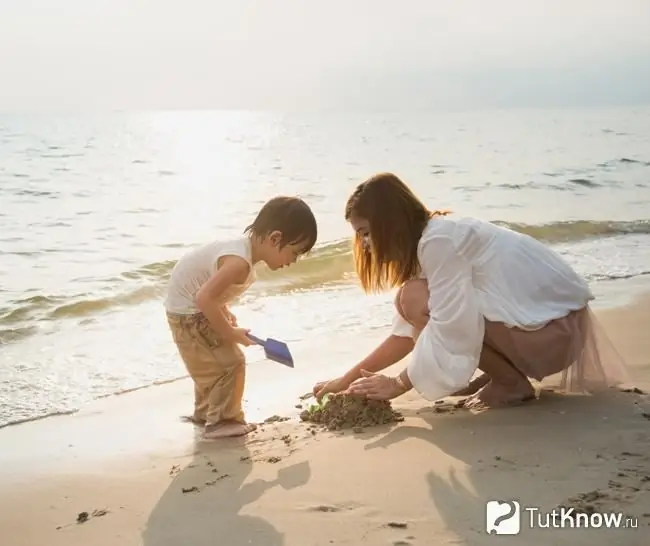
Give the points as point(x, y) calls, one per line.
point(341, 411)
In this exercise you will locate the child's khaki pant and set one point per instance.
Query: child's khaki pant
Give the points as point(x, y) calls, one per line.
point(217, 368)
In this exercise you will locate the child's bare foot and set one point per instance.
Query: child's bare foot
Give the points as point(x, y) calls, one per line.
point(473, 386)
point(495, 395)
point(193, 420)
point(227, 429)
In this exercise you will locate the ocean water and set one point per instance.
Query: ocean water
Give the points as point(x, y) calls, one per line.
point(94, 211)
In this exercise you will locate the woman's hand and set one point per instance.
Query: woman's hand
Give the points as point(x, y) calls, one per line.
point(376, 386)
point(333, 386)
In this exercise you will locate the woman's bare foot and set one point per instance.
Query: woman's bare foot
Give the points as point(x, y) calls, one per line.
point(494, 395)
point(473, 386)
point(228, 429)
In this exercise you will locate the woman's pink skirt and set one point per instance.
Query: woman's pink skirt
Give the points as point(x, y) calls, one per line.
point(575, 346)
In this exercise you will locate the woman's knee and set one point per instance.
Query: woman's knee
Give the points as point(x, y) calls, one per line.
point(412, 301)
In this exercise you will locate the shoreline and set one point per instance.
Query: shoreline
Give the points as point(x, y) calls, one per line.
point(175, 394)
point(146, 479)
point(618, 294)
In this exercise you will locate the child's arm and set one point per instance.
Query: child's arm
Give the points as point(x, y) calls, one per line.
point(232, 319)
point(230, 270)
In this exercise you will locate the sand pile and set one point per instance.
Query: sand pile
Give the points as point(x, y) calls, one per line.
point(341, 411)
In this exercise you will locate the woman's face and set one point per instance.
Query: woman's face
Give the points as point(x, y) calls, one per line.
point(361, 227)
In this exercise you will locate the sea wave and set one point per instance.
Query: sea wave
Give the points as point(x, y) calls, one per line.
point(334, 258)
point(327, 265)
point(578, 230)
point(60, 413)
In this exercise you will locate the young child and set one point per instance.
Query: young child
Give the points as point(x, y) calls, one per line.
point(207, 335)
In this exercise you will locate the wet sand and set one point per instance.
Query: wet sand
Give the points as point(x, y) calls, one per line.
point(126, 471)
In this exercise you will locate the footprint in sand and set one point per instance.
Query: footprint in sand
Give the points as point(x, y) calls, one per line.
point(275, 419)
point(324, 508)
point(634, 390)
point(332, 508)
point(586, 503)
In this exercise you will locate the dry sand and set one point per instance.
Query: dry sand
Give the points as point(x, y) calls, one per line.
point(423, 481)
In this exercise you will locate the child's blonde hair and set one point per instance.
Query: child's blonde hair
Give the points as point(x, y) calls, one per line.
point(396, 219)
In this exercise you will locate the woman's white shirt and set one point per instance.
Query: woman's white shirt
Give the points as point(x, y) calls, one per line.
point(477, 270)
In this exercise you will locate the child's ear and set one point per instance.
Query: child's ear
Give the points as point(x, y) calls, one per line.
point(275, 237)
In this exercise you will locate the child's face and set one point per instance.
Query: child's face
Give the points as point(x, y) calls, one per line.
point(278, 256)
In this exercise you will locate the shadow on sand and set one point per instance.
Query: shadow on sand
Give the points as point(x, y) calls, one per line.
point(203, 504)
point(556, 444)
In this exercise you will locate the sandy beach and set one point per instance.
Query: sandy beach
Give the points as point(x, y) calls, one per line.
point(143, 478)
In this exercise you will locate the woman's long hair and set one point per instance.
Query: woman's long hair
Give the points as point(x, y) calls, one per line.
point(396, 219)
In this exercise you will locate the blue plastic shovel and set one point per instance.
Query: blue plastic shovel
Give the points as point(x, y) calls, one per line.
point(275, 350)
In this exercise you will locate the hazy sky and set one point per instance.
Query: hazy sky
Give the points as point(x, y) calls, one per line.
point(69, 54)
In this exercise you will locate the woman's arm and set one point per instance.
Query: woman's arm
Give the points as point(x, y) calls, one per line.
point(392, 350)
point(447, 351)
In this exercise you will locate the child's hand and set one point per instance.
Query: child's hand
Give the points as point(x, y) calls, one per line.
point(239, 336)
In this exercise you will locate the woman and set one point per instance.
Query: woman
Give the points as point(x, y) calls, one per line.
point(472, 295)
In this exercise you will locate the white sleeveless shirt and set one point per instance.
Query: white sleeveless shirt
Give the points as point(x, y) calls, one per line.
point(195, 268)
